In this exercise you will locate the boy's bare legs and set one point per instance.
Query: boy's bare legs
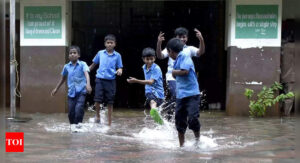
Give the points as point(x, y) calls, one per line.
point(197, 136)
point(97, 106)
point(181, 139)
point(110, 110)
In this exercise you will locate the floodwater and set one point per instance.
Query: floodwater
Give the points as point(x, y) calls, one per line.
point(134, 137)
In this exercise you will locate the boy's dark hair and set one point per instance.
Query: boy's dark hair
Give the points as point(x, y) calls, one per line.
point(180, 31)
point(75, 47)
point(148, 52)
point(175, 45)
point(110, 37)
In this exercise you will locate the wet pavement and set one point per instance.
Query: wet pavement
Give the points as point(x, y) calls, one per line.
point(133, 137)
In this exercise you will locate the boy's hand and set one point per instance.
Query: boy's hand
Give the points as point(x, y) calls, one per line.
point(198, 34)
point(160, 37)
point(53, 92)
point(131, 80)
point(89, 89)
point(119, 72)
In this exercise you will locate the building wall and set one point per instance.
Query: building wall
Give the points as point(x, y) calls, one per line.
point(2, 57)
point(251, 63)
point(290, 9)
point(250, 68)
point(40, 72)
point(41, 62)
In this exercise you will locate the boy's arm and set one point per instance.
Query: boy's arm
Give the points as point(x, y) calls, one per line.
point(201, 44)
point(144, 82)
point(179, 72)
point(160, 39)
point(120, 66)
point(88, 84)
point(95, 61)
point(92, 66)
point(61, 81)
point(184, 65)
point(119, 71)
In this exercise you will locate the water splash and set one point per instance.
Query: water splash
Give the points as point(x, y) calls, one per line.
point(159, 135)
point(59, 127)
point(165, 136)
point(81, 127)
point(205, 144)
point(89, 126)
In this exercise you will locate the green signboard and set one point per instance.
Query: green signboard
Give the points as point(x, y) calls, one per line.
point(256, 22)
point(42, 22)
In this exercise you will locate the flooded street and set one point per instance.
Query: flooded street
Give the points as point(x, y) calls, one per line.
point(133, 137)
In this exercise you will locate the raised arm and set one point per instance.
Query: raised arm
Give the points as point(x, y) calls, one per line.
point(143, 82)
point(61, 81)
point(201, 43)
point(160, 39)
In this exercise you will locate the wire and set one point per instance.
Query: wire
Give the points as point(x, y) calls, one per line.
point(15, 62)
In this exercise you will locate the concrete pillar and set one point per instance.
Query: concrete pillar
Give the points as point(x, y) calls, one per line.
point(44, 41)
point(253, 45)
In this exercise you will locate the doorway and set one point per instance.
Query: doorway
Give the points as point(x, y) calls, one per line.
point(137, 25)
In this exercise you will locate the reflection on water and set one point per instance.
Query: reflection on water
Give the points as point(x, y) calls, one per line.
point(134, 137)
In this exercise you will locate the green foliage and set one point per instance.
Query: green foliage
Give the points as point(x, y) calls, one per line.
point(265, 98)
point(249, 93)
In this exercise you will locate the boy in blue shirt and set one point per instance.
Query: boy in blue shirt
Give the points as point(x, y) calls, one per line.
point(182, 34)
point(76, 73)
point(110, 65)
point(187, 91)
point(154, 90)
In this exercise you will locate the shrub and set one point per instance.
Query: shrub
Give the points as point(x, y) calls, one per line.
point(265, 98)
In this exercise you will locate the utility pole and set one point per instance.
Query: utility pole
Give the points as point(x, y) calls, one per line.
point(13, 63)
point(12, 45)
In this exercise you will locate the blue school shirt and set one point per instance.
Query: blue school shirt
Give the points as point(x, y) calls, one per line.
point(191, 50)
point(156, 88)
point(76, 78)
point(186, 85)
point(108, 63)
